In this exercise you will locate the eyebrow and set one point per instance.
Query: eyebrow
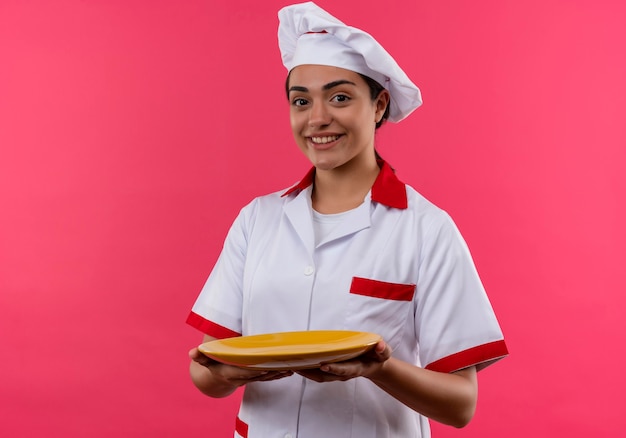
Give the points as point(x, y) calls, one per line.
point(326, 87)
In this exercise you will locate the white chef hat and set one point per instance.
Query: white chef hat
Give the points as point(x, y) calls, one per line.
point(307, 34)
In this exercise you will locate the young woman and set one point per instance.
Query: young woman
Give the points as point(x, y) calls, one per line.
point(349, 247)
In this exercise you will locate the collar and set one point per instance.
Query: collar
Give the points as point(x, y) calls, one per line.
point(387, 188)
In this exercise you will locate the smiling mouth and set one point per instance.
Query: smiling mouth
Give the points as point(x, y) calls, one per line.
point(324, 140)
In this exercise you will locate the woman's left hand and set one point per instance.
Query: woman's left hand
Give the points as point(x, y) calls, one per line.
point(362, 366)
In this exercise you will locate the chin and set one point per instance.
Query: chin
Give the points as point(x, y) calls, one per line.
point(324, 164)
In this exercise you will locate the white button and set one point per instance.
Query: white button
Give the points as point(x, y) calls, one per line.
point(288, 435)
point(308, 271)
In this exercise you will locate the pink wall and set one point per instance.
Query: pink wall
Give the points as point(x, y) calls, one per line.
point(131, 132)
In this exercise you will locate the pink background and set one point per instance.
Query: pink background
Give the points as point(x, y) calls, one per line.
point(131, 132)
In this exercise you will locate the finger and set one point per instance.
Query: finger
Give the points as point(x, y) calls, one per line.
point(380, 346)
point(264, 376)
point(313, 374)
point(382, 351)
point(334, 372)
point(339, 369)
point(197, 356)
point(275, 376)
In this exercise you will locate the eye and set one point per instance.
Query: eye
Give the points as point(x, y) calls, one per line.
point(299, 101)
point(340, 98)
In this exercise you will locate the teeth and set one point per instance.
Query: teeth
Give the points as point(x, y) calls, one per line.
point(322, 140)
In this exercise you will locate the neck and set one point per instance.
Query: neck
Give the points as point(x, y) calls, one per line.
point(342, 189)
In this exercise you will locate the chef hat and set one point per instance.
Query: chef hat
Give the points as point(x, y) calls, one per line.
point(309, 35)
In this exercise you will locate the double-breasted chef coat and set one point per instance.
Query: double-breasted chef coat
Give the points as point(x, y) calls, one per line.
point(396, 265)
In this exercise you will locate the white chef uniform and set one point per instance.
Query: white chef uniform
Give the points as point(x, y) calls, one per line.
point(396, 265)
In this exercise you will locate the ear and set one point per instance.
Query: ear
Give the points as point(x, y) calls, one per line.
point(381, 103)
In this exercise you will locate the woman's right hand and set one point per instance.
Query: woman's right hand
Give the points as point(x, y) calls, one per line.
point(216, 379)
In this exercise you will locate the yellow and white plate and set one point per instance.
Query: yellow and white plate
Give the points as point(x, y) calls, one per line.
point(290, 350)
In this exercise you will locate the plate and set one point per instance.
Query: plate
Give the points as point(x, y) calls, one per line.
point(290, 350)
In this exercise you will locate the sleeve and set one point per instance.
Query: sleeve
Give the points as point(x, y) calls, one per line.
point(218, 309)
point(455, 322)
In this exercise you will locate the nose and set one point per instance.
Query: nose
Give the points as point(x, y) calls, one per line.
point(319, 115)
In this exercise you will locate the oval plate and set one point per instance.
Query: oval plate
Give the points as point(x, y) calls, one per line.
point(290, 350)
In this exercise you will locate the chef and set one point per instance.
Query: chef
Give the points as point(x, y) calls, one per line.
point(349, 247)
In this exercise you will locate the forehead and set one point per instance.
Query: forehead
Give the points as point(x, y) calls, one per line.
point(316, 76)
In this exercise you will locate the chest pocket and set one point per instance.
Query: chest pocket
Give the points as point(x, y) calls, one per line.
point(380, 307)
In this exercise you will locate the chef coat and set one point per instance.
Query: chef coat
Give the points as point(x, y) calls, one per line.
point(396, 266)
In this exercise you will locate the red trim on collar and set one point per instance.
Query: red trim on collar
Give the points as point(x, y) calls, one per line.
point(303, 184)
point(387, 188)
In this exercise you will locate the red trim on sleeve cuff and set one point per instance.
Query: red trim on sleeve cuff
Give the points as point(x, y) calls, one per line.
point(241, 428)
point(210, 328)
point(480, 355)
